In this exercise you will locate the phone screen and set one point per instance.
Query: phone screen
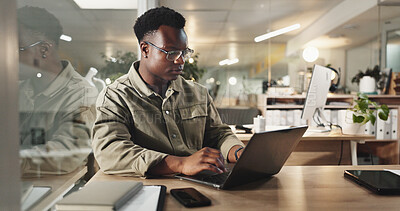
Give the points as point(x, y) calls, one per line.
point(383, 182)
point(190, 197)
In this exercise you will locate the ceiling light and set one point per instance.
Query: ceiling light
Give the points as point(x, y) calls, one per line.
point(65, 38)
point(310, 54)
point(228, 61)
point(108, 81)
point(107, 4)
point(224, 62)
point(276, 33)
point(232, 81)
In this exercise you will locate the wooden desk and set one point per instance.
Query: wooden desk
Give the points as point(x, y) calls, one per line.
point(294, 188)
point(323, 141)
point(60, 185)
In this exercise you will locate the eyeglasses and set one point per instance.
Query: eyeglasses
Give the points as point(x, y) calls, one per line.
point(174, 55)
point(31, 45)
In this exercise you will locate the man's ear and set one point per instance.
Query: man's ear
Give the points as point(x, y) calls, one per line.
point(44, 49)
point(144, 49)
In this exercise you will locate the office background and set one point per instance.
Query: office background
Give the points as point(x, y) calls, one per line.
point(351, 34)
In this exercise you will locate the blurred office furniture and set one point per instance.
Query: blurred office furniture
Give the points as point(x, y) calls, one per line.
point(238, 115)
point(386, 149)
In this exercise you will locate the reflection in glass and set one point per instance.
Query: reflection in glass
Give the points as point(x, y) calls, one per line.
point(55, 102)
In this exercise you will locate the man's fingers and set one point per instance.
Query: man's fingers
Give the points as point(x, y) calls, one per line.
point(212, 168)
point(210, 152)
point(215, 162)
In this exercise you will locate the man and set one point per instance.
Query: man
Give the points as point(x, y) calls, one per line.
point(153, 122)
point(54, 100)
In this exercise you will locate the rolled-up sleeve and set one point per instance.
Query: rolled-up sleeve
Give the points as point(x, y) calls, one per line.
point(216, 130)
point(113, 146)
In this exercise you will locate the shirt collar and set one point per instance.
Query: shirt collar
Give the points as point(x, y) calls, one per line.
point(140, 86)
point(61, 80)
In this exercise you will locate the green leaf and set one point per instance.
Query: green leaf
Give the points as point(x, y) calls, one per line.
point(363, 105)
point(383, 115)
point(372, 118)
point(385, 109)
point(362, 96)
point(358, 119)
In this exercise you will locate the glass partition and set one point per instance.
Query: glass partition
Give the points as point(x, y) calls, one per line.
point(69, 52)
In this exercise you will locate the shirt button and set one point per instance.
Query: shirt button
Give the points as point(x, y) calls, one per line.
point(167, 112)
point(173, 136)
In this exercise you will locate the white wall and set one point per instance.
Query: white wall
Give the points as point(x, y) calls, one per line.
point(360, 58)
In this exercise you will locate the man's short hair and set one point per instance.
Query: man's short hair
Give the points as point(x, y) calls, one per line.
point(40, 20)
point(152, 19)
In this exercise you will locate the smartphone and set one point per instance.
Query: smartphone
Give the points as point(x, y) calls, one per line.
point(379, 181)
point(190, 197)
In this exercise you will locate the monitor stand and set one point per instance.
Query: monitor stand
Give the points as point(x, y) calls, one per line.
point(320, 129)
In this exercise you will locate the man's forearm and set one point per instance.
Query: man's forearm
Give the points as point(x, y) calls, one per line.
point(169, 165)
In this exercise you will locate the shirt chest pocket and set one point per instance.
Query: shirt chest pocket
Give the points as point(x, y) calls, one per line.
point(193, 120)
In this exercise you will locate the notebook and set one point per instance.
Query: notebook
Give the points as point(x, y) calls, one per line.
point(100, 195)
point(264, 156)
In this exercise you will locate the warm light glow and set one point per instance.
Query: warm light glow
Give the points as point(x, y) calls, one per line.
point(333, 76)
point(106, 4)
point(65, 38)
point(228, 61)
point(210, 80)
point(232, 81)
point(310, 54)
point(108, 81)
point(324, 42)
point(276, 33)
point(191, 60)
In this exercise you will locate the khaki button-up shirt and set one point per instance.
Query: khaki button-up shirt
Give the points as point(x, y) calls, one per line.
point(55, 124)
point(136, 128)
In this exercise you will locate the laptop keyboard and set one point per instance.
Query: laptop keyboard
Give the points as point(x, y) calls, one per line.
point(216, 179)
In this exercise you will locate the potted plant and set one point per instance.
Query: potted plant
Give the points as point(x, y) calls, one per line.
point(191, 71)
point(362, 112)
point(116, 65)
point(369, 80)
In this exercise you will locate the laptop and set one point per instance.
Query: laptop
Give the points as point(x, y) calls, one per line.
point(264, 156)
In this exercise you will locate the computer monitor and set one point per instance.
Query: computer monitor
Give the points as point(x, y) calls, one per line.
point(316, 95)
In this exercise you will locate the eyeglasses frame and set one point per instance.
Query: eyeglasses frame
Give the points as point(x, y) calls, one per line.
point(171, 52)
point(31, 45)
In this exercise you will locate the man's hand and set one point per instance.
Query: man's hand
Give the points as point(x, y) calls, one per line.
point(204, 159)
